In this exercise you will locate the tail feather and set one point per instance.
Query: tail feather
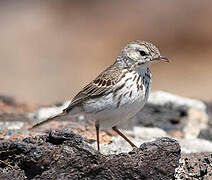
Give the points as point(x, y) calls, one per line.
point(47, 120)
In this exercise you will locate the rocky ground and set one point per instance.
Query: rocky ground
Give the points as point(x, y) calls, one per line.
point(174, 136)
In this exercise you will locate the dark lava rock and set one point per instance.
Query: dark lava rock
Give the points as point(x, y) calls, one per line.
point(65, 155)
point(206, 134)
point(195, 166)
point(166, 117)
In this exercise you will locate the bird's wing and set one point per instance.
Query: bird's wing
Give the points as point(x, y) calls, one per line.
point(101, 85)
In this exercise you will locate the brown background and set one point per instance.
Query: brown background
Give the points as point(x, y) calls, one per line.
point(50, 49)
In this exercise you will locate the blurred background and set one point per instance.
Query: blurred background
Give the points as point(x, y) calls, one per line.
point(50, 49)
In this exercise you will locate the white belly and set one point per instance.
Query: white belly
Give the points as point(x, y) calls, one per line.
point(112, 117)
point(109, 110)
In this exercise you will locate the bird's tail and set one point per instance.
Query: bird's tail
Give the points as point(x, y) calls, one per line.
point(47, 120)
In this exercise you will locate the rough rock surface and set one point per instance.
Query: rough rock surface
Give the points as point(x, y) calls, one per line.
point(195, 166)
point(64, 155)
point(164, 98)
point(165, 117)
point(38, 154)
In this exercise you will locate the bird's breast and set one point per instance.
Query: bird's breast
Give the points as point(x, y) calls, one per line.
point(133, 94)
point(127, 98)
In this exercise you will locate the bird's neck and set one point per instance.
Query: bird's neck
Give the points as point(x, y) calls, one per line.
point(141, 70)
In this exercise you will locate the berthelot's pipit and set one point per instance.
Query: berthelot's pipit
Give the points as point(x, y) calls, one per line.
point(119, 92)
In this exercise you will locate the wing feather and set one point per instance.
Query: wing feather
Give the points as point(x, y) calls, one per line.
point(101, 85)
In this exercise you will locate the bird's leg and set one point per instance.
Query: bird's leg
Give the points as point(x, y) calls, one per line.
point(122, 135)
point(97, 135)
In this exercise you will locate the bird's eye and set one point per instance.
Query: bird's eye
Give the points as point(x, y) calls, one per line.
point(142, 53)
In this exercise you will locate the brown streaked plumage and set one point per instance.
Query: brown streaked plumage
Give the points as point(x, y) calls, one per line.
point(119, 92)
point(97, 86)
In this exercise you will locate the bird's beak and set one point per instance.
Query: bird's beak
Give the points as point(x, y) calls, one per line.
point(161, 58)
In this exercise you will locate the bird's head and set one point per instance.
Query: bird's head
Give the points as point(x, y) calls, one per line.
point(141, 53)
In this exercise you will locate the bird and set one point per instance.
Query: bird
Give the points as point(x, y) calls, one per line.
point(119, 92)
